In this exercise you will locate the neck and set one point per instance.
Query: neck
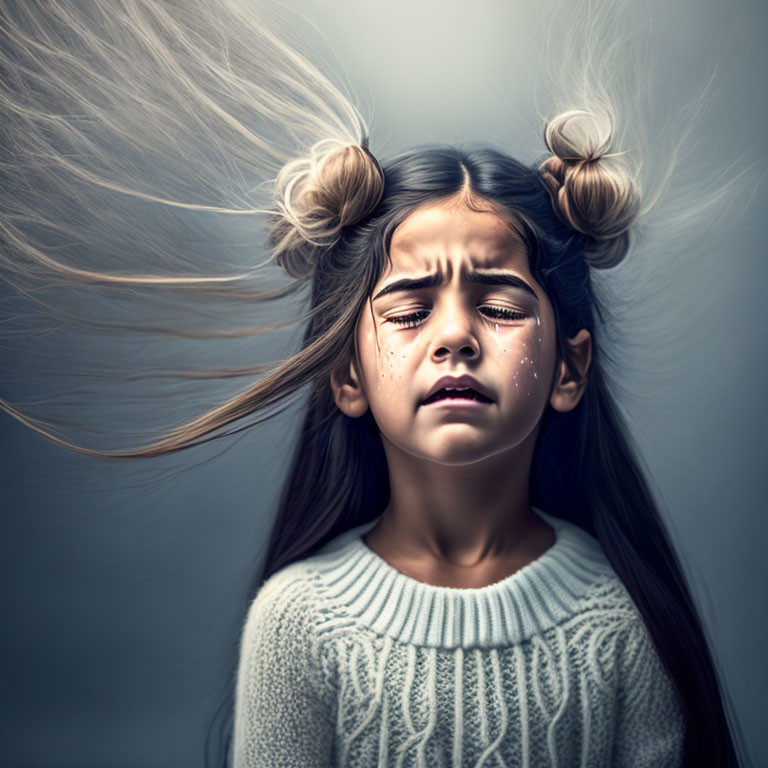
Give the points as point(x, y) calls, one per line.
point(459, 515)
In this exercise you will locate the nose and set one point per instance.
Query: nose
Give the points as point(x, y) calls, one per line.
point(455, 336)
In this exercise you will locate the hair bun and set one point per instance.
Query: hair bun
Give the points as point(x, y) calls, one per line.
point(336, 186)
point(592, 190)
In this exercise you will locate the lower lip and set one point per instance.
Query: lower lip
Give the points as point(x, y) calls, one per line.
point(456, 402)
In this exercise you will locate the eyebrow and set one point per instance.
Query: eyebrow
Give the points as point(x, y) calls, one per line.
point(476, 276)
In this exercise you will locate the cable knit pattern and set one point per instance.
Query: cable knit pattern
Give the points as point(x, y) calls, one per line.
point(345, 661)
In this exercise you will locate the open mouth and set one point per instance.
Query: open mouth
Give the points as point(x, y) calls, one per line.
point(464, 393)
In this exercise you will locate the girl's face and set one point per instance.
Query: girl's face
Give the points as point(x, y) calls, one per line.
point(457, 300)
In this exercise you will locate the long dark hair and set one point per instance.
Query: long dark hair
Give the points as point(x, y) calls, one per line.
point(584, 469)
point(110, 118)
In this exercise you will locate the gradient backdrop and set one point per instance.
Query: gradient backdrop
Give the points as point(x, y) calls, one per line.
point(123, 586)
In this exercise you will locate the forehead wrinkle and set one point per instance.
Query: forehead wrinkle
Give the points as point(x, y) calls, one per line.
point(443, 263)
point(475, 244)
point(426, 244)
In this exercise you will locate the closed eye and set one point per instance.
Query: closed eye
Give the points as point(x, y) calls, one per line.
point(497, 313)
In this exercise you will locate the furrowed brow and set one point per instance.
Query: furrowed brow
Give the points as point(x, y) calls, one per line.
point(481, 277)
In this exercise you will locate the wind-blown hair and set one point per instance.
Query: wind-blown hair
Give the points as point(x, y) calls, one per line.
point(148, 117)
point(584, 467)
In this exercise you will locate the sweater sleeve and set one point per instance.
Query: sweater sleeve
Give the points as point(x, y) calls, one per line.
point(283, 703)
point(650, 725)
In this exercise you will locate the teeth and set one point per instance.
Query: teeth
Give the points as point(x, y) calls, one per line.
point(463, 392)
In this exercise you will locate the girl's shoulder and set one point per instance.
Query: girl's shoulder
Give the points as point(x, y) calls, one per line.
point(287, 597)
point(607, 606)
point(293, 601)
point(611, 630)
point(608, 594)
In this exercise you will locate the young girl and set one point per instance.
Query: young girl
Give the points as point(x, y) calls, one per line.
point(497, 597)
point(467, 567)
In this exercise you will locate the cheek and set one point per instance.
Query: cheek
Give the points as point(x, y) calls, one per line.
point(525, 359)
point(384, 359)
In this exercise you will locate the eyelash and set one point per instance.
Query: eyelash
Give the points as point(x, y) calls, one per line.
point(411, 320)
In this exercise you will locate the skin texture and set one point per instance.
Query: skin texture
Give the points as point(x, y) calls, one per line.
point(459, 513)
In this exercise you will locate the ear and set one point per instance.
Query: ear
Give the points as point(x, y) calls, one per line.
point(566, 390)
point(348, 391)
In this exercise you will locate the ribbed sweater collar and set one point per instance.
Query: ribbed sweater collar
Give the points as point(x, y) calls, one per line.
point(374, 594)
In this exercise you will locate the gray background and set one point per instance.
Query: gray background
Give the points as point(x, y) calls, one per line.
point(123, 585)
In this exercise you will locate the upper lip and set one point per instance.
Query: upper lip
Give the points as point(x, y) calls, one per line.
point(457, 382)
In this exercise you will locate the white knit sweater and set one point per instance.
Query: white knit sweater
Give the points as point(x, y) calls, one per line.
point(345, 661)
